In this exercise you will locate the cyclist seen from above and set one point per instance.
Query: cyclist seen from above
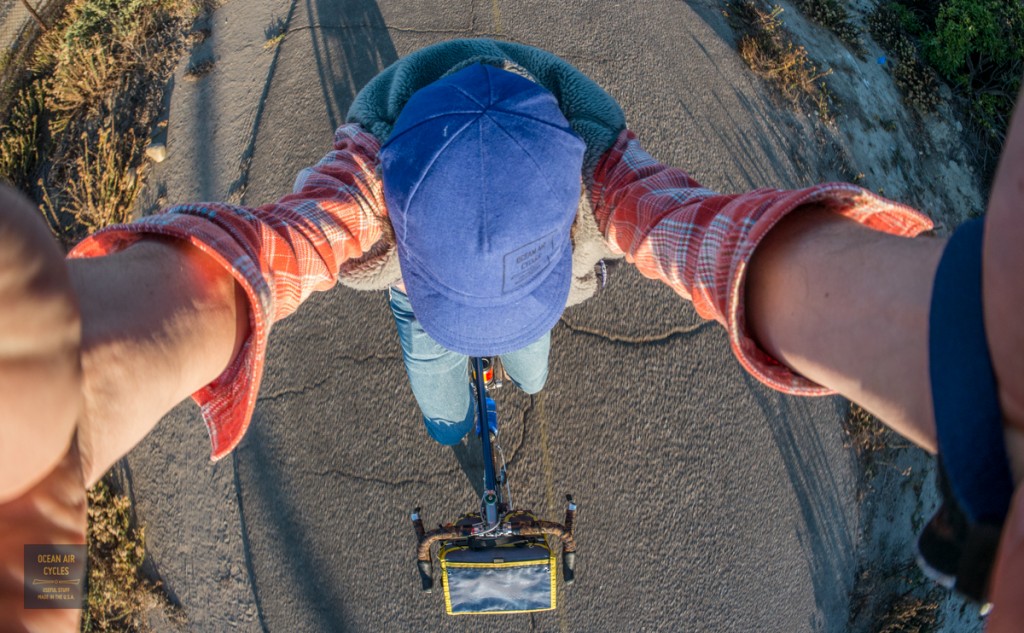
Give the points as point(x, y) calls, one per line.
point(479, 182)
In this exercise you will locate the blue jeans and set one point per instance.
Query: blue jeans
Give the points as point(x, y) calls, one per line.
point(440, 378)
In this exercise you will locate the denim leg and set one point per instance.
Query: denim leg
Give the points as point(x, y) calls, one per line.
point(439, 378)
point(528, 367)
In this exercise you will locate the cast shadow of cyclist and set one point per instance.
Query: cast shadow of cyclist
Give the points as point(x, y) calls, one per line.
point(469, 454)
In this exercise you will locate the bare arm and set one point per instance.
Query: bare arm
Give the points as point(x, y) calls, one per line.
point(160, 320)
point(92, 354)
point(848, 307)
point(850, 310)
point(39, 338)
point(1003, 294)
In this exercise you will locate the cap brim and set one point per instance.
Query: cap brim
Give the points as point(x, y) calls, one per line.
point(493, 330)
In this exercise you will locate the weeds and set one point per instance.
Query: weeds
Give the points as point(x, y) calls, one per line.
point(769, 51)
point(274, 33)
point(910, 614)
point(118, 594)
point(865, 434)
point(74, 136)
point(833, 15)
point(272, 43)
point(888, 25)
point(104, 186)
point(199, 69)
point(19, 152)
point(895, 598)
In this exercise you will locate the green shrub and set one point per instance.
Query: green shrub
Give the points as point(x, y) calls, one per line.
point(106, 18)
point(978, 46)
point(907, 20)
point(975, 37)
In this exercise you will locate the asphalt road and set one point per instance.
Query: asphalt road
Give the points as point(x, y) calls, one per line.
point(707, 502)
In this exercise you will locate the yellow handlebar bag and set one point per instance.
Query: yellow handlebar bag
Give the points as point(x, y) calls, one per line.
point(509, 578)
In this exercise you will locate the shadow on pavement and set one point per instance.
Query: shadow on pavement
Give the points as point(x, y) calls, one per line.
point(350, 44)
point(468, 453)
point(205, 154)
point(828, 547)
point(257, 474)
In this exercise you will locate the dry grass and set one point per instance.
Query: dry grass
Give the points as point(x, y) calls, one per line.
point(895, 597)
point(101, 184)
point(118, 594)
point(865, 434)
point(76, 109)
point(20, 139)
point(275, 32)
point(76, 136)
point(769, 51)
point(910, 614)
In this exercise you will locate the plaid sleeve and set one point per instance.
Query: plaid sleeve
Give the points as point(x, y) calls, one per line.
point(700, 242)
point(278, 253)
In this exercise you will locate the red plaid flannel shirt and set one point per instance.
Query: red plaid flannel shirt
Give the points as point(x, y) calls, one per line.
point(671, 228)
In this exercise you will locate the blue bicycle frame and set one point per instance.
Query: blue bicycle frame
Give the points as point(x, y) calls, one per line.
point(492, 494)
point(497, 520)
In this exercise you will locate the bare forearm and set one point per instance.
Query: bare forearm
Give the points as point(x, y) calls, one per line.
point(848, 307)
point(159, 321)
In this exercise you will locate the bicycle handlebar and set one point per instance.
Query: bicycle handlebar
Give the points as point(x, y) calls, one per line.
point(426, 569)
point(568, 567)
point(540, 528)
point(425, 566)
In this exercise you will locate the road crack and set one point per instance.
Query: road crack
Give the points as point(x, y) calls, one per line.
point(295, 391)
point(432, 479)
point(625, 339)
point(514, 450)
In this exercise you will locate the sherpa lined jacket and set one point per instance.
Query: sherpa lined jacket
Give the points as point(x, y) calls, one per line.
point(334, 225)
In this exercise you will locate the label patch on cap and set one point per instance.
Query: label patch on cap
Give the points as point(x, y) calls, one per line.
point(526, 262)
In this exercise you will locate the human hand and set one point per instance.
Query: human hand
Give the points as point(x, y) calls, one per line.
point(1003, 291)
point(53, 511)
point(42, 489)
point(40, 336)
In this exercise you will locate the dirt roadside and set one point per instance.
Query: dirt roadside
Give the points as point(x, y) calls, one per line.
point(879, 142)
